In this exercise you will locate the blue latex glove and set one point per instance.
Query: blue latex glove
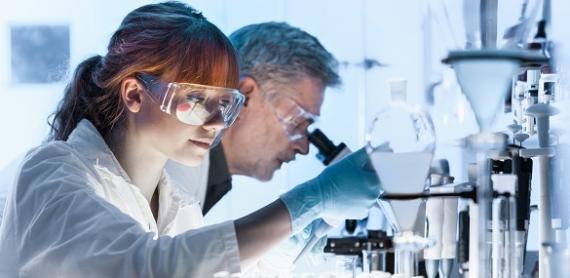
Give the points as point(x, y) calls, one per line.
point(346, 189)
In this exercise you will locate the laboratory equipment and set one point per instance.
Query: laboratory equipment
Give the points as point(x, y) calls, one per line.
point(530, 98)
point(541, 113)
point(194, 104)
point(494, 229)
point(503, 233)
point(401, 143)
point(485, 76)
point(549, 85)
point(328, 151)
point(441, 222)
point(365, 253)
point(521, 168)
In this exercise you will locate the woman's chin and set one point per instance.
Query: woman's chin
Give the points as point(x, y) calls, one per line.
point(192, 161)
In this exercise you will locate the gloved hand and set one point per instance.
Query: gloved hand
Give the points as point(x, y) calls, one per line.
point(300, 239)
point(278, 262)
point(346, 189)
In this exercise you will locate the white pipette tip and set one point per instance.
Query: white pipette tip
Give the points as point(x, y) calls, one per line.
point(321, 229)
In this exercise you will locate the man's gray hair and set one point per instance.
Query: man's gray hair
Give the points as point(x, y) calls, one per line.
point(279, 52)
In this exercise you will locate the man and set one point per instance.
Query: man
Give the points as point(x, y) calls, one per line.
point(284, 72)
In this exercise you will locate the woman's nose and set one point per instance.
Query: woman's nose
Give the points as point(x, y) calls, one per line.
point(215, 123)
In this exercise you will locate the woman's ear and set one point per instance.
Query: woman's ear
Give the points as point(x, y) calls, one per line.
point(132, 94)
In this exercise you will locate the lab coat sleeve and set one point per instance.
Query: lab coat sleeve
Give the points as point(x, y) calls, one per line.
point(63, 228)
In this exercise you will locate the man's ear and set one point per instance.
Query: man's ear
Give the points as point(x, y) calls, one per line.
point(131, 94)
point(248, 87)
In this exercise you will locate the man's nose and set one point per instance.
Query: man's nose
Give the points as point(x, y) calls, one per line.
point(302, 145)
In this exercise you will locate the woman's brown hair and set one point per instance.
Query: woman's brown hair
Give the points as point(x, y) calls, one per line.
point(169, 38)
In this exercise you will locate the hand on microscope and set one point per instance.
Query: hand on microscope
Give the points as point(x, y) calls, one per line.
point(346, 189)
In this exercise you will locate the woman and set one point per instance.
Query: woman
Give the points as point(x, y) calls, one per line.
point(96, 201)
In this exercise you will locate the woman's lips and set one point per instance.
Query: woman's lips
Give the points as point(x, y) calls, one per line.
point(201, 144)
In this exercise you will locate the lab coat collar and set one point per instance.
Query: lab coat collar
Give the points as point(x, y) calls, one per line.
point(87, 140)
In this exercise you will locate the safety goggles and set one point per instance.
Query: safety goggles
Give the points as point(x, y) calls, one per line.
point(194, 104)
point(294, 119)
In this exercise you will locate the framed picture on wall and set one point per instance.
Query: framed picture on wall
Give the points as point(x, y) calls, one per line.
point(39, 53)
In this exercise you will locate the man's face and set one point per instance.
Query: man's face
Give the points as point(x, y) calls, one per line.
point(262, 140)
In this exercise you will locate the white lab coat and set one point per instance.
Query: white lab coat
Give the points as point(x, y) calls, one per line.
point(73, 212)
point(7, 179)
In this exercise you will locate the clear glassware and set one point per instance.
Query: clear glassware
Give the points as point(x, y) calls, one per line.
point(401, 145)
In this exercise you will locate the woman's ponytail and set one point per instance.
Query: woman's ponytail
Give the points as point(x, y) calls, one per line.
point(77, 101)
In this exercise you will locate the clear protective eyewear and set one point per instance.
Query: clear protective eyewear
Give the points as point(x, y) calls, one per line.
point(194, 104)
point(294, 119)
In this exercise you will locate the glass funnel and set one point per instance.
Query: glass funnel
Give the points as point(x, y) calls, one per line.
point(401, 144)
